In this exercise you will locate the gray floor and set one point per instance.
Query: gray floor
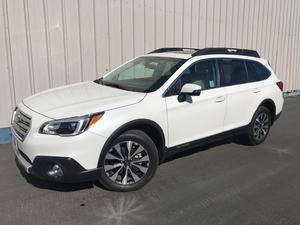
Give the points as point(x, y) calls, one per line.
point(225, 184)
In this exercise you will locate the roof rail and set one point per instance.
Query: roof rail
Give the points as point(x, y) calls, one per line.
point(231, 51)
point(209, 51)
point(161, 50)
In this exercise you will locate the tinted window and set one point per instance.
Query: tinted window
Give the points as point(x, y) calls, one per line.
point(234, 71)
point(257, 71)
point(203, 73)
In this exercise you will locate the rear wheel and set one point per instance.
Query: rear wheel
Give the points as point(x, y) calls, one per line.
point(129, 162)
point(259, 127)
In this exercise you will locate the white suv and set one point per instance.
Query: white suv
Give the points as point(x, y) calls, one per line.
point(118, 128)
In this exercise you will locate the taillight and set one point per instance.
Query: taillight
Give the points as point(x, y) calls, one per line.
point(280, 85)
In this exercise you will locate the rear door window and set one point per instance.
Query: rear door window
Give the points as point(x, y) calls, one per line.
point(256, 71)
point(234, 71)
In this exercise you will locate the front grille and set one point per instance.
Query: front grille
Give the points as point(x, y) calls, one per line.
point(21, 124)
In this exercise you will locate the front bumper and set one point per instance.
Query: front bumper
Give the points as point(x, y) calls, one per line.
point(41, 167)
point(77, 155)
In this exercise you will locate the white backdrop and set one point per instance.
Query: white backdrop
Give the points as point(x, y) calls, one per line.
point(48, 43)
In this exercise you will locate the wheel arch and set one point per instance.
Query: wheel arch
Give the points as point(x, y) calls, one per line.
point(270, 104)
point(151, 128)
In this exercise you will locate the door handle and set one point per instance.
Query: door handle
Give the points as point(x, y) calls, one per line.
point(220, 99)
point(256, 90)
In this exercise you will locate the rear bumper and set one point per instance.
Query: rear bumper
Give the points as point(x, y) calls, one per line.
point(277, 117)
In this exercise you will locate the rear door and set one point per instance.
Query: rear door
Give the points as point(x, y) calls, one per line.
point(239, 91)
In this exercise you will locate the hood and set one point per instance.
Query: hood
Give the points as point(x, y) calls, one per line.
point(80, 99)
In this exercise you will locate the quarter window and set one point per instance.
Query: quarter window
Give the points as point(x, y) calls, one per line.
point(256, 71)
point(234, 72)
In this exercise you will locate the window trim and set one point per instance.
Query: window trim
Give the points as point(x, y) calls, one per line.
point(165, 94)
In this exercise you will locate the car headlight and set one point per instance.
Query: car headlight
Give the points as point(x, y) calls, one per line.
point(70, 126)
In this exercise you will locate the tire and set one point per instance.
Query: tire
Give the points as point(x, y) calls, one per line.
point(259, 127)
point(123, 171)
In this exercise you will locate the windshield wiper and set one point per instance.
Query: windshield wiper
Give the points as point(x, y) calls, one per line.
point(99, 81)
point(102, 82)
point(113, 85)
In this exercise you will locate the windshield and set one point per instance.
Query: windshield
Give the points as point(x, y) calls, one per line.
point(144, 74)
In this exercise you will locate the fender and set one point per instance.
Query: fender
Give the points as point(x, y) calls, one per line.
point(269, 103)
point(135, 124)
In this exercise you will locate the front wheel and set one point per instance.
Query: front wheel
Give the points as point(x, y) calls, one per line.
point(259, 127)
point(129, 162)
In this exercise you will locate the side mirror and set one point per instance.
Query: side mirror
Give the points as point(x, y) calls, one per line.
point(189, 90)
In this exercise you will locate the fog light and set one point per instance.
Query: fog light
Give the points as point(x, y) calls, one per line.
point(56, 171)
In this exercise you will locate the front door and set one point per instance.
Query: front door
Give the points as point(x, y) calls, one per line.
point(198, 116)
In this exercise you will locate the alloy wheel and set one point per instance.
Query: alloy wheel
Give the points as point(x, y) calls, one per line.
point(261, 126)
point(126, 163)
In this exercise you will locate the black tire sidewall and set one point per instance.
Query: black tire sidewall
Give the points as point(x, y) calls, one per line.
point(141, 138)
point(251, 137)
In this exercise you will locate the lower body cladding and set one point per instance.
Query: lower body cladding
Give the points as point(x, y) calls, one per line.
point(60, 169)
